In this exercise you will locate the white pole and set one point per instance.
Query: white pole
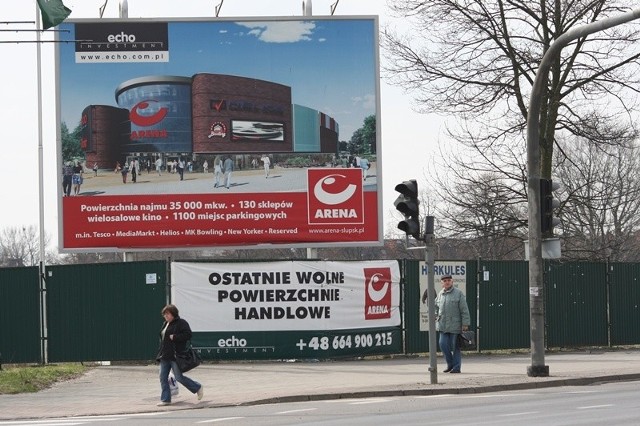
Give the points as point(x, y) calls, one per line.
point(43, 284)
point(124, 9)
point(306, 8)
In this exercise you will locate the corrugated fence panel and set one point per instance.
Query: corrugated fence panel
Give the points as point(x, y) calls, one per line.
point(20, 315)
point(416, 341)
point(576, 304)
point(105, 311)
point(504, 305)
point(624, 297)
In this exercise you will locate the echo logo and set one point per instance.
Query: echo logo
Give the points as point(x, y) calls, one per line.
point(232, 342)
point(335, 196)
point(121, 38)
point(143, 115)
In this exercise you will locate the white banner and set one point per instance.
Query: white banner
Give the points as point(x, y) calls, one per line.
point(280, 296)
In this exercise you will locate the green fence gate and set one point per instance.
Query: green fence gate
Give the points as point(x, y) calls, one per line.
point(105, 311)
point(20, 315)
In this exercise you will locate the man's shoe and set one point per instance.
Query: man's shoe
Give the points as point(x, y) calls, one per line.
point(200, 392)
point(454, 371)
point(447, 370)
point(163, 403)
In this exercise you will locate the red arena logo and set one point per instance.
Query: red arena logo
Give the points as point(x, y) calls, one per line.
point(142, 115)
point(377, 299)
point(335, 196)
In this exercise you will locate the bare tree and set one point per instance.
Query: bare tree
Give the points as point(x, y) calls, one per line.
point(600, 210)
point(476, 61)
point(20, 246)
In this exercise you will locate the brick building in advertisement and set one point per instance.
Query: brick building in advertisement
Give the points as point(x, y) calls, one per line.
point(172, 116)
point(105, 129)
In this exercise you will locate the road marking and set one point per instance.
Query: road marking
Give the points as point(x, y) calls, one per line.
point(442, 395)
point(524, 413)
point(296, 411)
point(498, 395)
point(77, 420)
point(589, 407)
point(369, 401)
point(221, 419)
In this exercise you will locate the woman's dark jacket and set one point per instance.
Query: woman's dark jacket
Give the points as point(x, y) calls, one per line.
point(181, 335)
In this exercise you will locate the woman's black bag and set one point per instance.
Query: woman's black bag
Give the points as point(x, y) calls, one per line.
point(187, 360)
point(467, 341)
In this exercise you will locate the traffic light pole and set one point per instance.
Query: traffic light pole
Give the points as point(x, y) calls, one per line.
point(536, 288)
point(429, 258)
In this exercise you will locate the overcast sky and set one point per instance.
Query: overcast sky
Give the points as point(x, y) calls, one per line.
point(408, 140)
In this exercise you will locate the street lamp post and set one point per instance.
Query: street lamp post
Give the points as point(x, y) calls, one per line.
point(536, 300)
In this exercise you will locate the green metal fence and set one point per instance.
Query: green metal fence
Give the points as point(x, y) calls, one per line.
point(503, 305)
point(576, 304)
point(112, 311)
point(624, 297)
point(20, 315)
point(105, 311)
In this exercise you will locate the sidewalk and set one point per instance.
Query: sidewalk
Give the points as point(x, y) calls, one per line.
point(135, 389)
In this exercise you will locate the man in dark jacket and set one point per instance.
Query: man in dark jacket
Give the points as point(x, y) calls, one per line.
point(174, 335)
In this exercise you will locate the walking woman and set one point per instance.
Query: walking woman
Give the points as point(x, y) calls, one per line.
point(174, 335)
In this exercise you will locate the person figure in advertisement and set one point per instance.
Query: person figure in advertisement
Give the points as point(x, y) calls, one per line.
point(452, 317)
point(174, 335)
point(159, 166)
point(228, 169)
point(95, 169)
point(67, 178)
point(364, 165)
point(205, 167)
point(267, 164)
point(135, 170)
point(124, 172)
point(181, 168)
point(217, 171)
point(77, 178)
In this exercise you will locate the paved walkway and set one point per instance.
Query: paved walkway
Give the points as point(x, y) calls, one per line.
point(135, 389)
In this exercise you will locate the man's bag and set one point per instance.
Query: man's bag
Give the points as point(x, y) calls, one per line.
point(467, 341)
point(187, 360)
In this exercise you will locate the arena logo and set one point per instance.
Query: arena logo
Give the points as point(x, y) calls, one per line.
point(377, 299)
point(335, 196)
point(143, 115)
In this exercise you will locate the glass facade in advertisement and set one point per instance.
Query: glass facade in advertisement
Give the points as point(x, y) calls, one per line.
point(160, 113)
point(306, 132)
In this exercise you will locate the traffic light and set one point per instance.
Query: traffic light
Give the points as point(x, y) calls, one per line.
point(547, 206)
point(408, 204)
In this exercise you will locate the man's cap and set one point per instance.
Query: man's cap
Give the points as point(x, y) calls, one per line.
point(446, 277)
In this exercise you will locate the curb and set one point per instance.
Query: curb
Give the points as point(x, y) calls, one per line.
point(580, 381)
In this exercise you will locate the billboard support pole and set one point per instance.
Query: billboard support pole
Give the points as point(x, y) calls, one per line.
point(41, 270)
point(307, 8)
point(312, 253)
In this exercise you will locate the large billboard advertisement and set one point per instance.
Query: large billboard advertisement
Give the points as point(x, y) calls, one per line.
point(290, 309)
point(226, 133)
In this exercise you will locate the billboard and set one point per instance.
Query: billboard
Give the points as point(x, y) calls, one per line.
point(290, 309)
point(225, 133)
